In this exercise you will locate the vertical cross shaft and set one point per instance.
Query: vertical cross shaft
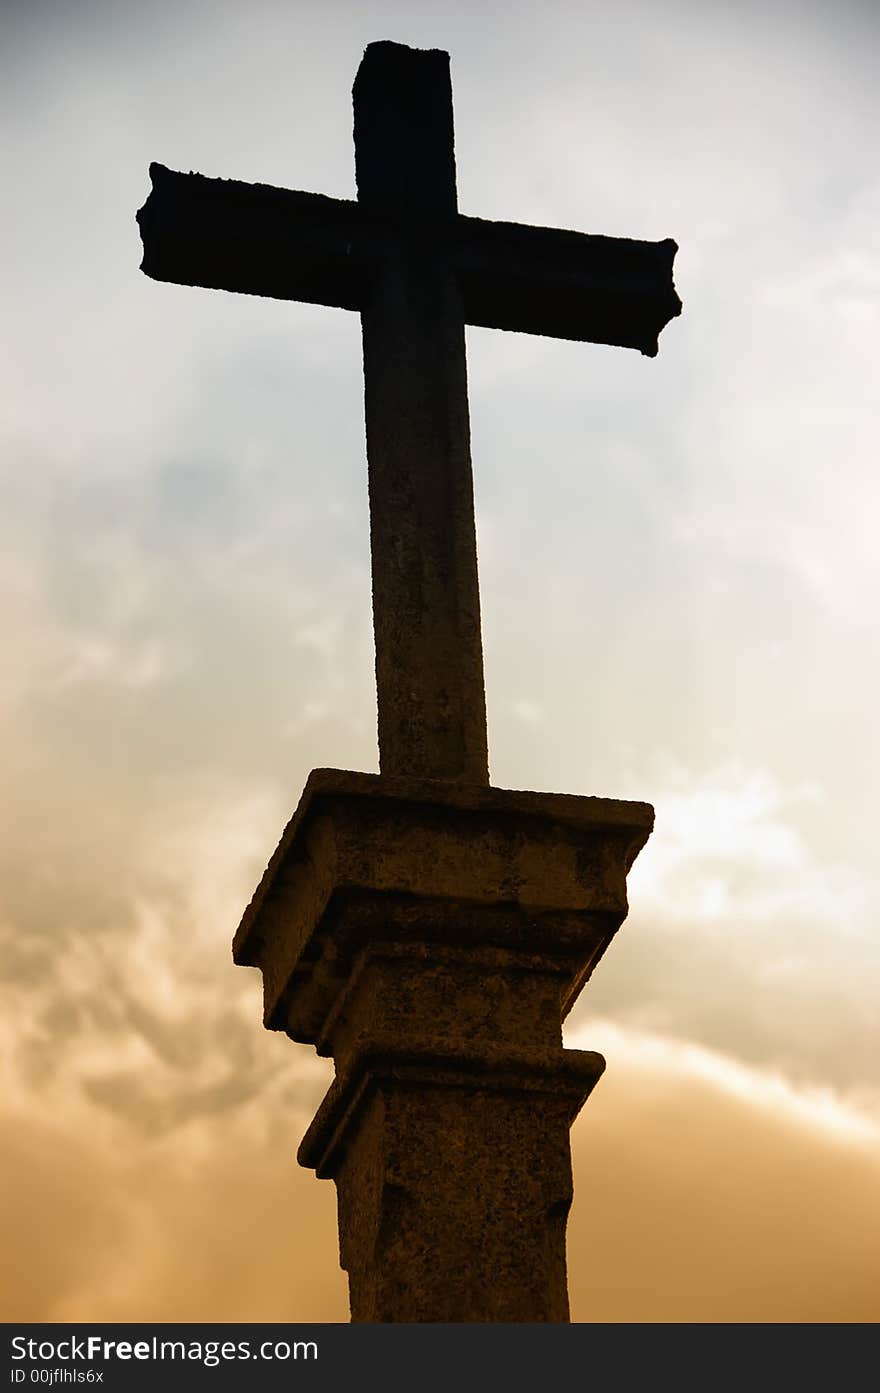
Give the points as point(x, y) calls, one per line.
point(426, 602)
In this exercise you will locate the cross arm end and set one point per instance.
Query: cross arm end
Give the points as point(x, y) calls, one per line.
point(563, 284)
point(254, 238)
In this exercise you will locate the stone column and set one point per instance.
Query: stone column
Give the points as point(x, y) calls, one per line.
point(431, 937)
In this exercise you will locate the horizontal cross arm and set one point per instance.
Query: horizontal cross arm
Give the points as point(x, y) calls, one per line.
point(262, 240)
point(541, 280)
point(253, 238)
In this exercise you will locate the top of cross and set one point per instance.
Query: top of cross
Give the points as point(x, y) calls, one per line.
point(417, 270)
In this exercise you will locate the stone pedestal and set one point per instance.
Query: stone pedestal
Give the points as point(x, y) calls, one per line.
point(431, 937)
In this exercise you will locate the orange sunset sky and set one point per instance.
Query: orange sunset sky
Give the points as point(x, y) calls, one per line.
point(679, 579)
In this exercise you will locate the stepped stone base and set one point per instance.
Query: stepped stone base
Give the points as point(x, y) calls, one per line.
point(431, 937)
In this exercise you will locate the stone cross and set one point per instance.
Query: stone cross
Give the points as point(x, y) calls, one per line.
point(417, 270)
point(427, 931)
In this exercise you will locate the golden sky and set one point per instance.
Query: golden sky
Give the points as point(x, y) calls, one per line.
point(698, 1197)
point(679, 586)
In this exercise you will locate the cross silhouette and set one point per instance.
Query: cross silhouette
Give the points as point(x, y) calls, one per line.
point(417, 271)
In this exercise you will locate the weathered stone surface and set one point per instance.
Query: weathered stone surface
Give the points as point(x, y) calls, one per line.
point(431, 937)
point(454, 1187)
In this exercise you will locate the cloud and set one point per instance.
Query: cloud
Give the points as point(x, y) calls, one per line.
point(217, 1225)
point(132, 1000)
point(676, 1062)
point(729, 848)
point(706, 1191)
point(744, 933)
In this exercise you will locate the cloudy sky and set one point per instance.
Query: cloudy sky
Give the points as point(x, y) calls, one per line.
point(679, 578)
